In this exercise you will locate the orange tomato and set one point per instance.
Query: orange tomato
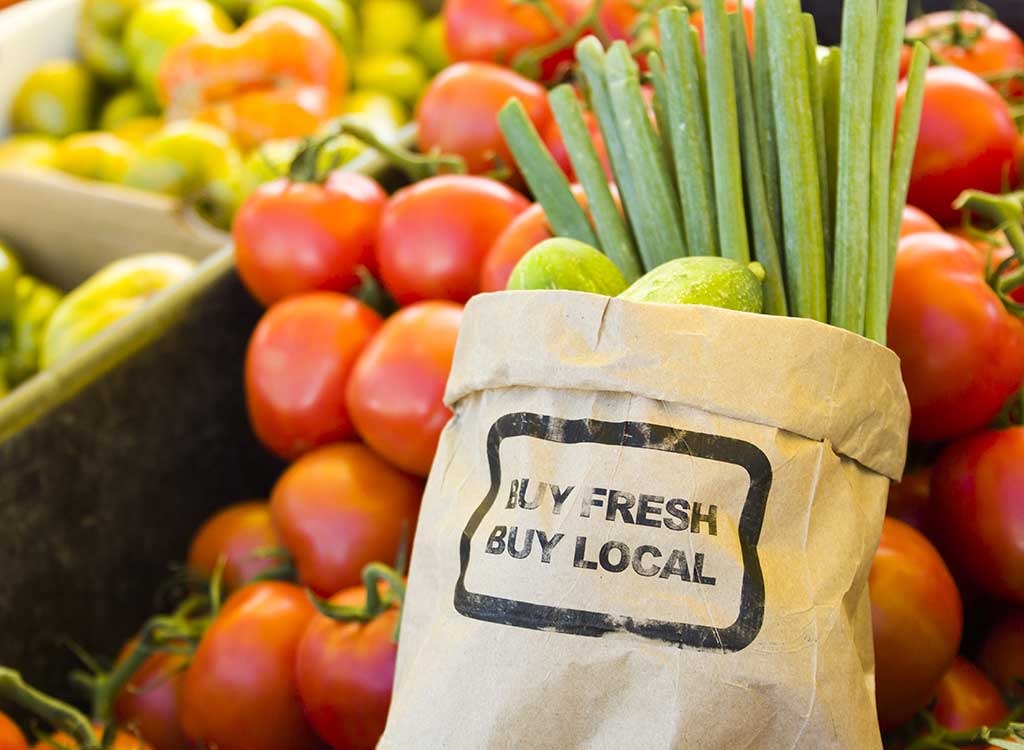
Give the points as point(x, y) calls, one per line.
point(239, 534)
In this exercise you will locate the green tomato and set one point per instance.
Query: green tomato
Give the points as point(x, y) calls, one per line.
point(104, 56)
point(400, 75)
point(108, 297)
point(58, 98)
point(390, 25)
point(95, 156)
point(194, 160)
point(108, 16)
point(28, 150)
point(337, 16)
point(716, 282)
point(36, 303)
point(562, 263)
point(10, 270)
point(430, 46)
point(158, 26)
point(123, 107)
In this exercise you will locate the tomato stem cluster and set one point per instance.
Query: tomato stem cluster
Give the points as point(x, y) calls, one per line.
point(54, 712)
point(377, 601)
point(1008, 735)
point(1006, 213)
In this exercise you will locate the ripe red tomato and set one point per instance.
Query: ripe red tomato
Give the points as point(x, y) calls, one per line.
point(910, 498)
point(340, 508)
point(293, 237)
point(435, 234)
point(149, 703)
point(299, 360)
point(972, 41)
point(239, 534)
point(11, 737)
point(345, 671)
point(918, 620)
point(396, 392)
point(978, 490)
point(497, 31)
point(968, 140)
point(528, 229)
point(122, 741)
point(239, 691)
point(961, 352)
point(965, 699)
point(458, 113)
point(916, 221)
point(1002, 654)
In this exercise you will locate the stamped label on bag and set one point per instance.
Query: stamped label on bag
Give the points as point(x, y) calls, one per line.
point(581, 512)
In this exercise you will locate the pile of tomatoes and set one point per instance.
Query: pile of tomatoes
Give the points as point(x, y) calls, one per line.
point(346, 373)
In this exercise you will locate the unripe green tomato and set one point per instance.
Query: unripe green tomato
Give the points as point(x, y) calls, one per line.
point(337, 16)
point(10, 271)
point(35, 304)
point(108, 16)
point(104, 56)
point(58, 98)
point(400, 75)
point(430, 46)
point(95, 156)
point(107, 297)
point(123, 107)
point(158, 26)
point(390, 25)
point(28, 150)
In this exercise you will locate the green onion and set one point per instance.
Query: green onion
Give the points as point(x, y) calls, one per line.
point(798, 163)
point(766, 119)
point(615, 238)
point(830, 69)
point(860, 30)
point(656, 73)
point(766, 248)
point(657, 222)
point(724, 127)
point(817, 107)
point(547, 181)
point(891, 24)
point(689, 133)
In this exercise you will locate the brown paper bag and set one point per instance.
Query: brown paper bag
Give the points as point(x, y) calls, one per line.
point(649, 526)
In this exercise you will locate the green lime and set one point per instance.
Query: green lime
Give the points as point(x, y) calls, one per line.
point(390, 25)
point(123, 107)
point(336, 16)
point(570, 265)
point(58, 98)
point(402, 76)
point(716, 282)
point(430, 46)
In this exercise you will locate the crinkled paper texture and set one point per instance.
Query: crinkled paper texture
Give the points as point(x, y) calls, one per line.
point(695, 496)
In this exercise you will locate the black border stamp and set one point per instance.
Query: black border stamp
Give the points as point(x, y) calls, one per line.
point(521, 614)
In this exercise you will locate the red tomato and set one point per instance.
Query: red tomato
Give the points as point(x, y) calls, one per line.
point(972, 41)
point(299, 360)
point(961, 352)
point(978, 490)
point(458, 113)
point(965, 699)
point(396, 392)
point(340, 508)
point(918, 620)
point(239, 534)
point(1002, 654)
point(293, 237)
point(122, 741)
point(435, 234)
point(916, 221)
point(239, 692)
point(909, 499)
point(968, 140)
point(11, 737)
point(528, 229)
point(345, 671)
point(149, 703)
point(497, 31)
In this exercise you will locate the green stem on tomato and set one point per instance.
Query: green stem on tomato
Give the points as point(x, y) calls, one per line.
point(547, 181)
point(528, 62)
point(57, 714)
point(766, 250)
point(853, 177)
point(891, 23)
point(798, 163)
point(768, 141)
point(689, 132)
point(611, 229)
point(723, 125)
point(820, 141)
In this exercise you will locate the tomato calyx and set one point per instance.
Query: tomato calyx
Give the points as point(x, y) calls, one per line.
point(1008, 735)
point(1006, 214)
point(306, 166)
point(54, 712)
point(377, 602)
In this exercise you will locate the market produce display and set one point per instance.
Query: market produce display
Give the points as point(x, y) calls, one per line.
point(546, 158)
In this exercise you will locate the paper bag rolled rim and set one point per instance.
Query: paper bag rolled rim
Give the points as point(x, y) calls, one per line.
point(797, 375)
